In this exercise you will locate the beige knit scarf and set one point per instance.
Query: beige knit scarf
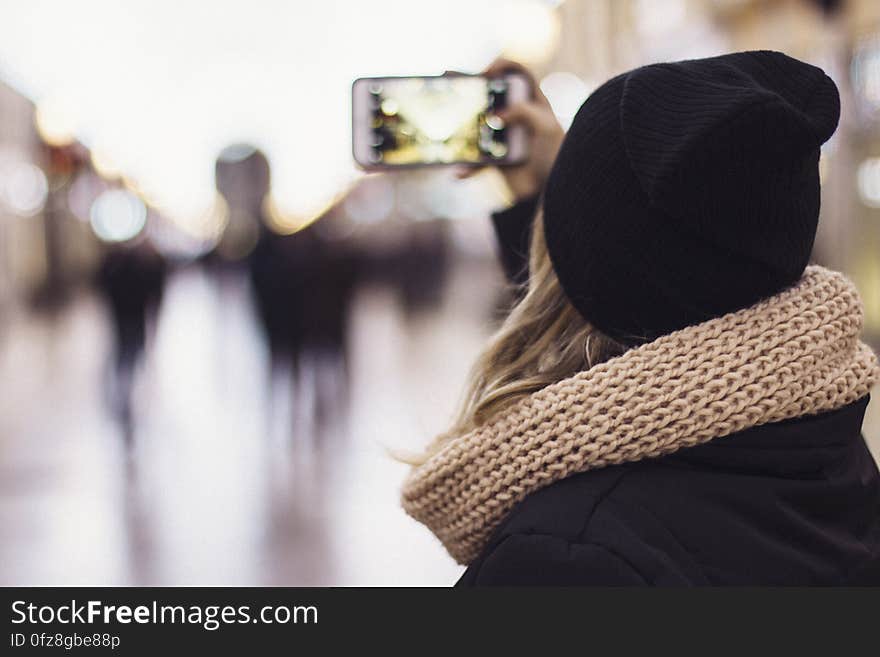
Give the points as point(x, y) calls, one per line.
point(797, 353)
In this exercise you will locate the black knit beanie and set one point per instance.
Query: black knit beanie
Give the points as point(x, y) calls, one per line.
point(689, 190)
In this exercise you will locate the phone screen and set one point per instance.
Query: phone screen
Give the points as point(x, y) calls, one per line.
point(435, 120)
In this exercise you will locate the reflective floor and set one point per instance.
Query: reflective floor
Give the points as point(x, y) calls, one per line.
point(228, 482)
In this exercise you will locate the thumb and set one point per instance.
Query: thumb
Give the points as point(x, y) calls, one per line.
point(468, 171)
point(527, 114)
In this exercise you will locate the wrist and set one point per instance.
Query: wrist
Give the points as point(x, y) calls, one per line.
point(523, 188)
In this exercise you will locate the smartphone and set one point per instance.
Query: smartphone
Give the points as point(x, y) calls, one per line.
point(431, 120)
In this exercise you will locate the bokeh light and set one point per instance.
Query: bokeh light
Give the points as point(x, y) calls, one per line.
point(104, 165)
point(532, 30)
point(206, 225)
point(869, 182)
point(566, 93)
point(117, 215)
point(55, 125)
point(282, 221)
point(23, 188)
point(865, 69)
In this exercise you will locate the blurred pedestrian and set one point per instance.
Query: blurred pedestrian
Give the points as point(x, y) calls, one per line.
point(131, 278)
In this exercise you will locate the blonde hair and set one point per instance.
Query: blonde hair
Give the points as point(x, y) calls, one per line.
point(543, 340)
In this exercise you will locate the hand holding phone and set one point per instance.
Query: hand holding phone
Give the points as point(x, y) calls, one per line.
point(544, 134)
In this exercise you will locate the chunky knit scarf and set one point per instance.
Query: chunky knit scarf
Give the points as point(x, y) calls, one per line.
point(797, 353)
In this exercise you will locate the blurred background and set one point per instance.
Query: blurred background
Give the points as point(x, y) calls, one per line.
point(213, 327)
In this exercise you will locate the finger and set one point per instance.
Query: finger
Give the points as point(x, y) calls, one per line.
point(528, 114)
point(502, 66)
point(468, 171)
point(512, 67)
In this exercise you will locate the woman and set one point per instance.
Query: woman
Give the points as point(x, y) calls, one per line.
point(677, 397)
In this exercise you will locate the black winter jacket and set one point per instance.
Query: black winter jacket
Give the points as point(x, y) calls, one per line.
point(791, 503)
